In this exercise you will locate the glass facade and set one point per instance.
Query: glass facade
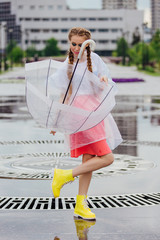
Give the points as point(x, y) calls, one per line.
point(13, 31)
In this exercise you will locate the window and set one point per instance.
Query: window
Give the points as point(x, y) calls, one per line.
point(45, 19)
point(32, 7)
point(103, 19)
point(59, 7)
point(35, 41)
point(92, 30)
point(103, 41)
point(27, 19)
point(35, 30)
point(114, 19)
point(46, 30)
point(36, 19)
point(92, 19)
point(73, 19)
point(54, 19)
point(41, 7)
point(64, 30)
point(20, 7)
point(64, 19)
point(114, 30)
point(50, 7)
point(64, 41)
point(83, 19)
point(103, 30)
point(54, 30)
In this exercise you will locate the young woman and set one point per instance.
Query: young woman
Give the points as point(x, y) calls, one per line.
point(96, 154)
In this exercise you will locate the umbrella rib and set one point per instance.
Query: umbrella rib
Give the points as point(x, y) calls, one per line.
point(78, 86)
point(94, 110)
point(48, 76)
point(103, 99)
point(49, 114)
point(70, 82)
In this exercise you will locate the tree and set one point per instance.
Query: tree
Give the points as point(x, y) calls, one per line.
point(141, 54)
point(31, 51)
point(10, 46)
point(17, 54)
point(122, 49)
point(51, 48)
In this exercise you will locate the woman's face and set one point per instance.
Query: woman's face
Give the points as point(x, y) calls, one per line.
point(76, 43)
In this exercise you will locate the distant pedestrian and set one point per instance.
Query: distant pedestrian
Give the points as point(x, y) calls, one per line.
point(36, 57)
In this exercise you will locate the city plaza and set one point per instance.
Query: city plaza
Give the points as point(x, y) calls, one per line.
point(124, 196)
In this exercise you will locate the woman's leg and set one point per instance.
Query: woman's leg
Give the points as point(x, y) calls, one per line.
point(84, 179)
point(62, 177)
point(93, 164)
point(84, 171)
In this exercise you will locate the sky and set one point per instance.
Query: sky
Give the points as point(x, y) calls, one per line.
point(96, 4)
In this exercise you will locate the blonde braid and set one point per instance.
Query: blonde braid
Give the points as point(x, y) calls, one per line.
point(69, 70)
point(89, 62)
point(70, 63)
point(71, 57)
point(89, 65)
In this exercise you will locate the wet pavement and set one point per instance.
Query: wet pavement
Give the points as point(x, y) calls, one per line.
point(125, 196)
point(125, 224)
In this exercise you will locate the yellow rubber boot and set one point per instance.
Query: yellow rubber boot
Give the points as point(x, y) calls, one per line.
point(82, 227)
point(82, 210)
point(61, 177)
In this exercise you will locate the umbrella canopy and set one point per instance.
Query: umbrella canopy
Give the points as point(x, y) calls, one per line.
point(88, 102)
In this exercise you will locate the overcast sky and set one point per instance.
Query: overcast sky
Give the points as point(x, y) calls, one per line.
point(96, 4)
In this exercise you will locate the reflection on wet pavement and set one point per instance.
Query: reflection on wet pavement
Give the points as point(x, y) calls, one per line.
point(82, 228)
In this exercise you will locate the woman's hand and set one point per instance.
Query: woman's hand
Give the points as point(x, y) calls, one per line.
point(104, 79)
point(52, 132)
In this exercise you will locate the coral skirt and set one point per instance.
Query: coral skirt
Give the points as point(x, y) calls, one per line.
point(99, 148)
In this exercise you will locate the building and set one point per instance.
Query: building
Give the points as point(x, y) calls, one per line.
point(11, 27)
point(41, 20)
point(119, 4)
point(2, 38)
point(155, 8)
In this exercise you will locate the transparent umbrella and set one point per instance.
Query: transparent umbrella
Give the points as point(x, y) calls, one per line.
point(68, 105)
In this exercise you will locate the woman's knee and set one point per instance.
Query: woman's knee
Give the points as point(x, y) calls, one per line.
point(108, 159)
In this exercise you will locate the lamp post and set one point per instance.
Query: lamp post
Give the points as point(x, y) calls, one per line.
point(2, 44)
point(124, 47)
point(144, 25)
point(26, 42)
point(10, 30)
point(0, 47)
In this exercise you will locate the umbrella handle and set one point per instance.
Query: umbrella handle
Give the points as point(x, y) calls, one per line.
point(92, 45)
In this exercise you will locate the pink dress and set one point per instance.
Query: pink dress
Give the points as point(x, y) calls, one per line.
point(96, 136)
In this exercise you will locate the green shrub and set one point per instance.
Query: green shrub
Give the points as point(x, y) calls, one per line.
point(149, 69)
